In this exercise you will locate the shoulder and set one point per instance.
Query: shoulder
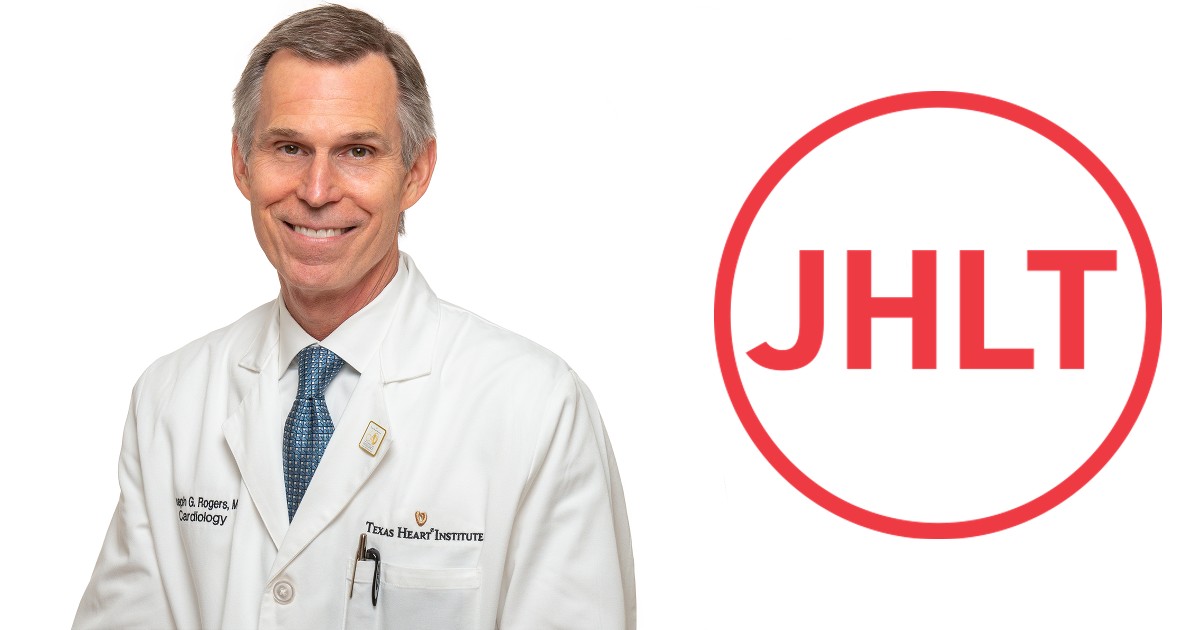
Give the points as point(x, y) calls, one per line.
point(468, 341)
point(528, 396)
point(220, 349)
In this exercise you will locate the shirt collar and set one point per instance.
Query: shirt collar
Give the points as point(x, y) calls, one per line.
point(356, 341)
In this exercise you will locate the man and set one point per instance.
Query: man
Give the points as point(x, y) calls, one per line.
point(356, 453)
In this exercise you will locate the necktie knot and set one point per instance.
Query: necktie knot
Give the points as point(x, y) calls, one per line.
point(318, 365)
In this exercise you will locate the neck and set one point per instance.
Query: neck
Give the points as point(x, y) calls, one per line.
point(319, 313)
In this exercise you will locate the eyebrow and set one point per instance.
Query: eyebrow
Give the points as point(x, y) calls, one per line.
point(279, 132)
point(356, 136)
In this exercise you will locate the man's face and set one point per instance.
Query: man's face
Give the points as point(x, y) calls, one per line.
point(324, 176)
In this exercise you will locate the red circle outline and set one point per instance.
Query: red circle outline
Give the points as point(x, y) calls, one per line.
point(938, 100)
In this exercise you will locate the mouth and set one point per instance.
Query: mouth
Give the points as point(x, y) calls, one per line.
point(318, 233)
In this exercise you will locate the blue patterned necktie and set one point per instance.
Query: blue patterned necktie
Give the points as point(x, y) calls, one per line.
point(308, 426)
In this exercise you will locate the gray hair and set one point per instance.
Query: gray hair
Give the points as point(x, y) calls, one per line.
point(334, 34)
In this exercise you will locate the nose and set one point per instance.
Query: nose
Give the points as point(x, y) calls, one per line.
point(319, 185)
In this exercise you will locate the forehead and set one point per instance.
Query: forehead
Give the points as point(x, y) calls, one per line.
point(357, 94)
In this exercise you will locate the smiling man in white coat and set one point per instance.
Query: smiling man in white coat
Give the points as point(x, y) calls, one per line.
point(356, 453)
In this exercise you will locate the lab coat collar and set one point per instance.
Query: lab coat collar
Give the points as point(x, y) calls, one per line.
point(407, 351)
point(262, 349)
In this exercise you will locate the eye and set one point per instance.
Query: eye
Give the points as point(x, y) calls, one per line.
point(290, 149)
point(359, 152)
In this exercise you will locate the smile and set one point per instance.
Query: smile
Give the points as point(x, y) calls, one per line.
point(311, 233)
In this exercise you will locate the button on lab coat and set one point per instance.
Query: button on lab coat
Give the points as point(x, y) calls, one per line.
point(491, 495)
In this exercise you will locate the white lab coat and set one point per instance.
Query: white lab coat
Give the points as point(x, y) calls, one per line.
point(493, 497)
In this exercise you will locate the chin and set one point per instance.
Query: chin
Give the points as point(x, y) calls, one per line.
point(310, 280)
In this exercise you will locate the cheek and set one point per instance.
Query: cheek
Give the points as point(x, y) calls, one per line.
point(270, 180)
point(261, 221)
point(377, 186)
point(265, 234)
point(381, 202)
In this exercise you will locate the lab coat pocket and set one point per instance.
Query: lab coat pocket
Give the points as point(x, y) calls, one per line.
point(446, 599)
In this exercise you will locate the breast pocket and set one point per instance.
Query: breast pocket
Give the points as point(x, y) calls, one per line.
point(421, 599)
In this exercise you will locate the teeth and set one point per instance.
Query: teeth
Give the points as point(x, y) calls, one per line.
point(318, 233)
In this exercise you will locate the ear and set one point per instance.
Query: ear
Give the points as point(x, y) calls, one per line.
point(416, 180)
point(241, 175)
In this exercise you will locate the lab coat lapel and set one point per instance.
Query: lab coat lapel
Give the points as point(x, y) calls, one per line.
point(343, 470)
point(405, 355)
point(254, 435)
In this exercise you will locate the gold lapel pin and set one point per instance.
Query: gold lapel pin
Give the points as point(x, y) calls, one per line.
point(372, 438)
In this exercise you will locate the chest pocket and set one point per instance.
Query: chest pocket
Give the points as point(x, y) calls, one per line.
point(446, 599)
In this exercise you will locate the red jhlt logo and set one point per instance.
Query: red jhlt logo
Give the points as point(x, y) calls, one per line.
point(862, 307)
point(966, 301)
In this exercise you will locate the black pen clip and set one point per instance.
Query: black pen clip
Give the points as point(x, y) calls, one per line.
point(373, 554)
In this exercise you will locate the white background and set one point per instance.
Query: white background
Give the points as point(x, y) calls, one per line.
point(592, 160)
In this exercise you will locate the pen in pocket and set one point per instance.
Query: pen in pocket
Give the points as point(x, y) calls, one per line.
point(361, 554)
